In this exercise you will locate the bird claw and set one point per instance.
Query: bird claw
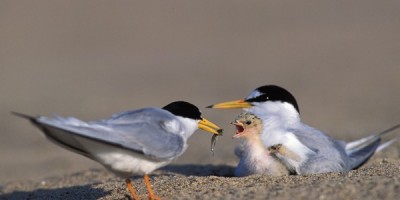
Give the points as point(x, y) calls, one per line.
point(274, 148)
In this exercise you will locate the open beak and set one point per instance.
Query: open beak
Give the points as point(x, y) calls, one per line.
point(239, 129)
point(208, 126)
point(241, 103)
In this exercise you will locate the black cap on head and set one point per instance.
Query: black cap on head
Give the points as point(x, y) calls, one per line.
point(183, 109)
point(274, 93)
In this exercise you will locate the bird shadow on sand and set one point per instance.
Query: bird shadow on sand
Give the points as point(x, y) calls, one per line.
point(74, 192)
point(90, 191)
point(200, 170)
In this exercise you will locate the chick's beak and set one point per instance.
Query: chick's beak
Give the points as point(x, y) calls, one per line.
point(239, 128)
point(241, 103)
point(208, 126)
point(235, 122)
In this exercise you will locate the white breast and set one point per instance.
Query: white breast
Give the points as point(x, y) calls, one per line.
point(122, 162)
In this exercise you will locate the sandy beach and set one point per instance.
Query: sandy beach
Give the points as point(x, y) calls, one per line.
point(379, 180)
point(90, 59)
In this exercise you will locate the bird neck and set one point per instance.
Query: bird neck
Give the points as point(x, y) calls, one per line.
point(188, 127)
point(276, 114)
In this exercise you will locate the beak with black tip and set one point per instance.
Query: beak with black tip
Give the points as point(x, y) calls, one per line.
point(208, 126)
point(241, 103)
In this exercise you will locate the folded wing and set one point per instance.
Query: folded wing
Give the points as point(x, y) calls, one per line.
point(141, 131)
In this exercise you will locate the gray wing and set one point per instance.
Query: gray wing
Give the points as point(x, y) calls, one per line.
point(330, 155)
point(146, 131)
point(362, 155)
point(336, 155)
point(366, 141)
point(156, 131)
point(359, 151)
point(362, 149)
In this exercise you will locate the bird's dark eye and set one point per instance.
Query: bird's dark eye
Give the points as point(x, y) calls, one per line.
point(248, 122)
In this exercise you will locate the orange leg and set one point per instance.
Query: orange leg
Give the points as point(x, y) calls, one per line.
point(148, 185)
point(131, 189)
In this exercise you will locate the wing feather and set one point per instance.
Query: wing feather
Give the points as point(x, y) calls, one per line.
point(142, 131)
point(328, 152)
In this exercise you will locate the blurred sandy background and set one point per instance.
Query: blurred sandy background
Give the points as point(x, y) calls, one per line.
point(90, 59)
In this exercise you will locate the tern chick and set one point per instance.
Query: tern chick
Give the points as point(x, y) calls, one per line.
point(255, 158)
point(130, 143)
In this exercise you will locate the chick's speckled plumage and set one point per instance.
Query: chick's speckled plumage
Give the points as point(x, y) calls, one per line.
point(255, 158)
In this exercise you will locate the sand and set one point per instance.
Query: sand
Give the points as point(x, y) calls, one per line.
point(378, 179)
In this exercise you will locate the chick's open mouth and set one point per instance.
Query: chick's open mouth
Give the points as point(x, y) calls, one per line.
point(239, 128)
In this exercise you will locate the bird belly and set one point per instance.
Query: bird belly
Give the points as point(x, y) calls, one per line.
point(126, 163)
point(120, 161)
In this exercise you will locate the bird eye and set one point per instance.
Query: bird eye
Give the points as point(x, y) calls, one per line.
point(248, 122)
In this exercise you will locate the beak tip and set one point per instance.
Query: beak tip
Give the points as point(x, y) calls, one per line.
point(210, 106)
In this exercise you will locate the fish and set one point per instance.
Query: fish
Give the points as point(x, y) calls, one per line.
point(214, 141)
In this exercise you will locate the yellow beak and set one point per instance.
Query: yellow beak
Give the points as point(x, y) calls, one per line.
point(208, 126)
point(241, 103)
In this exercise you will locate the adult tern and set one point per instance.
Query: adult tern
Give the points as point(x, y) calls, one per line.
point(311, 150)
point(130, 143)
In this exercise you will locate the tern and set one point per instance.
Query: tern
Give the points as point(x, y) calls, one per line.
point(130, 143)
point(302, 148)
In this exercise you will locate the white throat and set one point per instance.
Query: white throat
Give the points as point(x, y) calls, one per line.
point(276, 114)
point(188, 126)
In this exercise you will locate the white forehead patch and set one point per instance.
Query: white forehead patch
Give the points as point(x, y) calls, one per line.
point(254, 94)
